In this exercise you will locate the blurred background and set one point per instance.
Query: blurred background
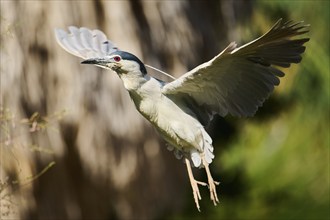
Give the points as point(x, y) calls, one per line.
point(74, 147)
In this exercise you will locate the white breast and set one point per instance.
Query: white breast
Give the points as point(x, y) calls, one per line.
point(180, 129)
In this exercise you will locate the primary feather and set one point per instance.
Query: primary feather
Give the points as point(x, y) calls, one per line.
point(85, 43)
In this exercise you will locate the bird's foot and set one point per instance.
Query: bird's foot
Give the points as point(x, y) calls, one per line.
point(213, 191)
point(196, 193)
point(212, 183)
point(194, 184)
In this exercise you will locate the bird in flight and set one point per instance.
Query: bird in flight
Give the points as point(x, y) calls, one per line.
point(236, 81)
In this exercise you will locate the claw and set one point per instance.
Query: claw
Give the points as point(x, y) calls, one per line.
point(194, 185)
point(213, 192)
point(196, 193)
point(211, 183)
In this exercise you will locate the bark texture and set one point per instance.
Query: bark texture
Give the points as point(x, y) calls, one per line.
point(109, 162)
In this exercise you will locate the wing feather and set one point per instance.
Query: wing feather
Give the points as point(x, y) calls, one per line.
point(85, 43)
point(238, 80)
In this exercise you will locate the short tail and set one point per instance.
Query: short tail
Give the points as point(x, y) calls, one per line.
point(207, 147)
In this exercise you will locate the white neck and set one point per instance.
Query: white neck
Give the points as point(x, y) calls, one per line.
point(133, 81)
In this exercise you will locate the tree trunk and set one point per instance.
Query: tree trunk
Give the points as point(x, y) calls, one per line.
point(88, 154)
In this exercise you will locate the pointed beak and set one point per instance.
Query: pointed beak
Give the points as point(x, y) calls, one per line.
point(98, 61)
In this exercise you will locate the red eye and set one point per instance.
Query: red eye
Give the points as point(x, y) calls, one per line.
point(117, 58)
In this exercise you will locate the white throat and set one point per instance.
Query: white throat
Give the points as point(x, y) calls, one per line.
point(133, 80)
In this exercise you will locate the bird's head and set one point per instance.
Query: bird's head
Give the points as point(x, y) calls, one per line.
point(121, 62)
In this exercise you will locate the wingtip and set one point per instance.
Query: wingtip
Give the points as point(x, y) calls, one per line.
point(58, 34)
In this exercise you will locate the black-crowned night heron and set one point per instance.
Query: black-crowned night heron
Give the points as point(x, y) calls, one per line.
point(237, 81)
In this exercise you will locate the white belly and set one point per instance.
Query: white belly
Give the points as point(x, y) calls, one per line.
point(177, 127)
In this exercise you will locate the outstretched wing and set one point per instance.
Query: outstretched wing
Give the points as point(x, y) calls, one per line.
point(85, 43)
point(238, 80)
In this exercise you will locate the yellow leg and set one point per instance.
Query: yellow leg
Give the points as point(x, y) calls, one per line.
point(212, 183)
point(194, 184)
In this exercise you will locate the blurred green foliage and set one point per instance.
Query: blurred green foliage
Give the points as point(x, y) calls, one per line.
point(277, 166)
